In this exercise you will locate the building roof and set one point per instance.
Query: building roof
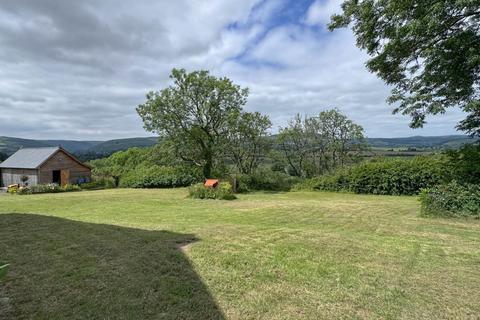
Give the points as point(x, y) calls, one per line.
point(29, 158)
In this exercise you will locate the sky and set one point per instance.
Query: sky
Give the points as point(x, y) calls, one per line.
point(78, 69)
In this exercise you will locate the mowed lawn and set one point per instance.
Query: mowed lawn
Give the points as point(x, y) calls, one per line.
point(155, 254)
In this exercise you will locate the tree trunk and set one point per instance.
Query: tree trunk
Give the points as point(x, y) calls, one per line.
point(207, 168)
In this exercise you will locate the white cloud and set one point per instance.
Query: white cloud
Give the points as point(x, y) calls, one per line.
point(321, 11)
point(78, 69)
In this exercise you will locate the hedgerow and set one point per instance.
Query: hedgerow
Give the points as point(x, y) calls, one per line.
point(158, 177)
point(384, 176)
point(452, 199)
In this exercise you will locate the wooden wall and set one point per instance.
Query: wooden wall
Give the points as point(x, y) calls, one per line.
point(62, 161)
point(14, 176)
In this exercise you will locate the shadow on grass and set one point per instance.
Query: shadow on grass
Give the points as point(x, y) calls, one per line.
point(64, 269)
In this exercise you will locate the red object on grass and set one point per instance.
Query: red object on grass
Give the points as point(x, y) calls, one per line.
point(212, 183)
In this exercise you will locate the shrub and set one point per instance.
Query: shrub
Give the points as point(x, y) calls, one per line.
point(47, 188)
point(12, 189)
point(98, 184)
point(384, 176)
point(71, 187)
point(223, 191)
point(337, 181)
point(451, 199)
point(264, 179)
point(397, 176)
point(464, 163)
point(159, 177)
point(24, 190)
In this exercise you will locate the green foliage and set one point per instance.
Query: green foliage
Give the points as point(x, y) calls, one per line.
point(159, 177)
point(384, 176)
point(451, 199)
point(55, 188)
point(194, 114)
point(318, 145)
point(154, 167)
point(338, 181)
point(264, 179)
point(48, 188)
point(98, 184)
point(247, 141)
point(396, 176)
point(429, 51)
point(223, 191)
point(13, 189)
point(464, 164)
point(3, 271)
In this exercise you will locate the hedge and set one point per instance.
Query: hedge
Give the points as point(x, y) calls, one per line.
point(452, 199)
point(158, 177)
point(384, 176)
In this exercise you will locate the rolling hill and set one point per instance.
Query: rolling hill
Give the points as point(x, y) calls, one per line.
point(434, 142)
point(8, 145)
point(86, 150)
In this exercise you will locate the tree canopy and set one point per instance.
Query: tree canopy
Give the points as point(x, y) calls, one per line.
point(194, 114)
point(317, 145)
point(247, 140)
point(429, 51)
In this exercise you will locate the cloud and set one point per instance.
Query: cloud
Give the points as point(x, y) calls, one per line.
point(320, 12)
point(78, 69)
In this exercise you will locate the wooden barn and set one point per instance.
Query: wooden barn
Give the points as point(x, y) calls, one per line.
point(43, 166)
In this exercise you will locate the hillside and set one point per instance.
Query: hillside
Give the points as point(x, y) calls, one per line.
point(87, 150)
point(8, 145)
point(435, 142)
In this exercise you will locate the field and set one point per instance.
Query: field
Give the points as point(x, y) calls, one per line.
point(154, 254)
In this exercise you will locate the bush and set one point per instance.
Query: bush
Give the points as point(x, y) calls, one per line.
point(13, 189)
point(384, 176)
point(397, 176)
point(159, 177)
point(337, 181)
point(464, 164)
point(223, 191)
point(47, 188)
point(98, 184)
point(264, 179)
point(451, 199)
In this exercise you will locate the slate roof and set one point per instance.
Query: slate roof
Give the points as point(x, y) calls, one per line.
point(29, 158)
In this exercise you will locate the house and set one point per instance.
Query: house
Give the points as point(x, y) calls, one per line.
point(43, 166)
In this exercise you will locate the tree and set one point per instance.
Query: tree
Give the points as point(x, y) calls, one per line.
point(295, 142)
point(318, 145)
point(471, 124)
point(429, 51)
point(193, 113)
point(247, 140)
point(3, 156)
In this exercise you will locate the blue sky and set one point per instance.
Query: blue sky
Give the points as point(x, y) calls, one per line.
point(77, 70)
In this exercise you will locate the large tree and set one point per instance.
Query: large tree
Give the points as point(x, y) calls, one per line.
point(247, 140)
point(428, 50)
point(193, 114)
point(317, 145)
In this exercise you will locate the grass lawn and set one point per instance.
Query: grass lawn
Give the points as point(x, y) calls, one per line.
point(154, 254)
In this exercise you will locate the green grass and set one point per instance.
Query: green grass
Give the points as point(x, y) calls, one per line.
point(123, 254)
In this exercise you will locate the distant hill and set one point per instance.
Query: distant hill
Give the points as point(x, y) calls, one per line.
point(87, 150)
point(434, 142)
point(83, 149)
